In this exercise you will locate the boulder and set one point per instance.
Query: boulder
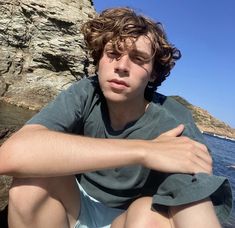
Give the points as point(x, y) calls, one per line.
point(42, 50)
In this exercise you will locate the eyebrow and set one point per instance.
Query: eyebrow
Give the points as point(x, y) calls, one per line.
point(141, 53)
point(132, 51)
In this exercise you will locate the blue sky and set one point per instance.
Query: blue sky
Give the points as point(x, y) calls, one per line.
point(204, 31)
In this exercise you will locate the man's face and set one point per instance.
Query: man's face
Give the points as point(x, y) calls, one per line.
point(124, 76)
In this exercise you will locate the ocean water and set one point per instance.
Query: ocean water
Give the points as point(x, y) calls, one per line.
point(223, 153)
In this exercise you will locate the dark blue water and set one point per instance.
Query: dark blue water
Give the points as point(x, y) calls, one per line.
point(223, 153)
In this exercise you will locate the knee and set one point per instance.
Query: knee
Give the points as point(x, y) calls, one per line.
point(144, 221)
point(26, 194)
point(140, 215)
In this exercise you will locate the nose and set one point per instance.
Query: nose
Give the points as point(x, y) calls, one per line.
point(122, 65)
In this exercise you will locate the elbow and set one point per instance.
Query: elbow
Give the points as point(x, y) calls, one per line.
point(8, 158)
point(15, 154)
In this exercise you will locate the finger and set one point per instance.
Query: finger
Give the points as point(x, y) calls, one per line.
point(201, 146)
point(175, 131)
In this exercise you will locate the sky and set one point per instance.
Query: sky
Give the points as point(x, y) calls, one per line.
point(204, 31)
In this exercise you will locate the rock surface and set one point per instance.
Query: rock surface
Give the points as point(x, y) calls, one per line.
point(42, 50)
point(5, 183)
point(41, 53)
point(206, 122)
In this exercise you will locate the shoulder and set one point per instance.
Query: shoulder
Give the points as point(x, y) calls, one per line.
point(82, 91)
point(85, 85)
point(170, 105)
point(173, 111)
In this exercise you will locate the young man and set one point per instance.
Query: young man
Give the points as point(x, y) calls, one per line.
point(122, 140)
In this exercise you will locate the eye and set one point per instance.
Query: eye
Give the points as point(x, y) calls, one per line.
point(138, 59)
point(112, 54)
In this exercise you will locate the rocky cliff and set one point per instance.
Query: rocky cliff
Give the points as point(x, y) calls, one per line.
point(41, 48)
point(206, 122)
point(41, 53)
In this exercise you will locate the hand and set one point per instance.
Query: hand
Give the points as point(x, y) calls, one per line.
point(173, 153)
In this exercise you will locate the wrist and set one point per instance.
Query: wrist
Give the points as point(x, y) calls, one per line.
point(141, 152)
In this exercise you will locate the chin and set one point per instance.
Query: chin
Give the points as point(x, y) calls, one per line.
point(115, 97)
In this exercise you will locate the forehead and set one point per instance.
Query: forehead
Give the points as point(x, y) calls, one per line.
point(141, 43)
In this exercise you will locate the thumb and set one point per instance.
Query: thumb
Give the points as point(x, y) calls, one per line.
point(175, 131)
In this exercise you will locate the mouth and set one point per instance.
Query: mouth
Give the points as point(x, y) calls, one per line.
point(117, 82)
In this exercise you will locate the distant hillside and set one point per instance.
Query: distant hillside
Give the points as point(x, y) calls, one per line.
point(205, 121)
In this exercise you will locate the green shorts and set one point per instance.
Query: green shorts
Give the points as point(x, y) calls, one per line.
point(94, 214)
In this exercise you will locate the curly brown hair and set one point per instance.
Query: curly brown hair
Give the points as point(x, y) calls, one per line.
point(117, 24)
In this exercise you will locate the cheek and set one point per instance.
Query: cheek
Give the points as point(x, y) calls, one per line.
point(147, 73)
point(98, 68)
point(102, 65)
point(151, 72)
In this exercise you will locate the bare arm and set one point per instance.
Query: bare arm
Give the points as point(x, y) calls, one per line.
point(36, 151)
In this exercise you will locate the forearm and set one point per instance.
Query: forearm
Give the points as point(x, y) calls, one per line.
point(42, 152)
point(37, 151)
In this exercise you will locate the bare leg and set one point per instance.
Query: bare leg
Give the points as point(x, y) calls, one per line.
point(43, 202)
point(200, 214)
point(140, 215)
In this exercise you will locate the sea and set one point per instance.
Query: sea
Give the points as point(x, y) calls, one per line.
point(223, 154)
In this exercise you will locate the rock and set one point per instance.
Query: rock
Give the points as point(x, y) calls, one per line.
point(6, 132)
point(41, 53)
point(3, 132)
point(5, 183)
point(206, 122)
point(42, 50)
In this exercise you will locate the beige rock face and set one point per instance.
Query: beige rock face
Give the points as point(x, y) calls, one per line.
point(41, 53)
point(5, 183)
point(41, 48)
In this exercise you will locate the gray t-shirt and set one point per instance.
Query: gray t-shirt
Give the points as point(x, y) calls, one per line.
point(81, 109)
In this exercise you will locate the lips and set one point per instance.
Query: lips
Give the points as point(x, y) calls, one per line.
point(118, 82)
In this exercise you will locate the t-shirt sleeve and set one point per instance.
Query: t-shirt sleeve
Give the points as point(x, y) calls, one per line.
point(66, 110)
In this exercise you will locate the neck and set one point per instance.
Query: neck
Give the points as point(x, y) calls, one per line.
point(122, 114)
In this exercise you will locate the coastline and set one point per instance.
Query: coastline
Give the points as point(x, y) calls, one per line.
point(218, 136)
